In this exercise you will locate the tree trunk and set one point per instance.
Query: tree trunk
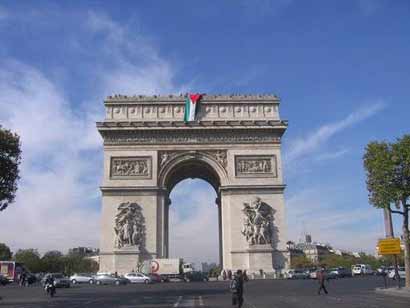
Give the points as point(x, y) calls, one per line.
point(406, 242)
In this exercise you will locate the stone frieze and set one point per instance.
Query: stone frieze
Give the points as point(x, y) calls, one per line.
point(255, 166)
point(132, 137)
point(130, 167)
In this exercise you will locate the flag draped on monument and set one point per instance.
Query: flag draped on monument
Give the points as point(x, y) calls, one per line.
point(191, 102)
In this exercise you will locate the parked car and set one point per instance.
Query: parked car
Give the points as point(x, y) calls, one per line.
point(340, 272)
point(362, 269)
point(156, 278)
point(137, 278)
point(110, 279)
point(312, 273)
point(297, 274)
point(330, 274)
point(59, 280)
point(82, 278)
point(195, 276)
point(402, 273)
point(3, 280)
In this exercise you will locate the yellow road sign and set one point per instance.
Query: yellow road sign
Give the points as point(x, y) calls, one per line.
point(389, 246)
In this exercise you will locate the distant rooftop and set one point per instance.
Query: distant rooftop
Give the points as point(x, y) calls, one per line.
point(207, 97)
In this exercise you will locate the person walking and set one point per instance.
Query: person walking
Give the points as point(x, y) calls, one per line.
point(237, 289)
point(321, 277)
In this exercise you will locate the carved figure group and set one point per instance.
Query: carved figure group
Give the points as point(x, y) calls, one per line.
point(129, 225)
point(221, 157)
point(123, 167)
point(254, 166)
point(257, 225)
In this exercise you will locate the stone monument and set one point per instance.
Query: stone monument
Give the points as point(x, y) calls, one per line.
point(234, 143)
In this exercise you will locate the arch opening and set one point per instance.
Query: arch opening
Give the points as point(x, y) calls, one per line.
point(193, 226)
point(193, 217)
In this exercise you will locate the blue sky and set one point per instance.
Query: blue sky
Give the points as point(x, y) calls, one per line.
point(341, 69)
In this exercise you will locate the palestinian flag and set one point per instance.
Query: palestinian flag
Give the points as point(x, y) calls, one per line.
point(191, 102)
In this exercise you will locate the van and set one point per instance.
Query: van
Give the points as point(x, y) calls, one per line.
point(362, 269)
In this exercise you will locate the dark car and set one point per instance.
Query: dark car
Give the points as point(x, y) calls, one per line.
point(341, 272)
point(195, 276)
point(109, 279)
point(59, 280)
point(3, 280)
point(156, 278)
point(30, 279)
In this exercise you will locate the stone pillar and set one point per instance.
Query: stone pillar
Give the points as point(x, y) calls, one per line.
point(240, 253)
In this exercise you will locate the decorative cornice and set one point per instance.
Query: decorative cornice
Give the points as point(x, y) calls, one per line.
point(246, 189)
point(198, 124)
point(180, 98)
point(192, 136)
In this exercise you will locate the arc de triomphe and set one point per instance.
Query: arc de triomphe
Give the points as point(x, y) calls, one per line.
point(234, 144)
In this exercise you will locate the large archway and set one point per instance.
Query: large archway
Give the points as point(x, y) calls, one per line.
point(178, 166)
point(194, 224)
point(234, 145)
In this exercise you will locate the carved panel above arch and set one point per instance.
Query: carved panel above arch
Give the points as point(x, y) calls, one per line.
point(255, 166)
point(131, 167)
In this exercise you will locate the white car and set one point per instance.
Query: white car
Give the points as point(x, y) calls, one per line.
point(402, 273)
point(362, 269)
point(137, 278)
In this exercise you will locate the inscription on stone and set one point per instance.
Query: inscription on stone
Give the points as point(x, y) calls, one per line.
point(255, 166)
point(131, 167)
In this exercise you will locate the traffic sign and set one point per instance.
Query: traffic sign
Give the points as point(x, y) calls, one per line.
point(389, 246)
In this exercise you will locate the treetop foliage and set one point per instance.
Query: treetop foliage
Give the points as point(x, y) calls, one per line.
point(5, 252)
point(388, 172)
point(10, 157)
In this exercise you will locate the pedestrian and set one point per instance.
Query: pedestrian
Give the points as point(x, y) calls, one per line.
point(245, 276)
point(22, 279)
point(321, 277)
point(229, 274)
point(237, 289)
point(224, 275)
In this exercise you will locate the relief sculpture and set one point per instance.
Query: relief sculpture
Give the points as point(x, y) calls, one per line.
point(129, 226)
point(258, 222)
point(130, 167)
point(255, 166)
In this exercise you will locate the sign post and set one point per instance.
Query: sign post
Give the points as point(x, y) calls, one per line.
point(391, 246)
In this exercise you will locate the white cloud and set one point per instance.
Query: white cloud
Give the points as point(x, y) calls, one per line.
point(58, 204)
point(330, 218)
point(313, 142)
point(331, 155)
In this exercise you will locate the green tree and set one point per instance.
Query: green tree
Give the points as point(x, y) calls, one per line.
point(215, 271)
point(74, 263)
point(388, 182)
point(369, 259)
point(52, 262)
point(301, 262)
point(5, 252)
point(333, 260)
point(10, 157)
point(30, 258)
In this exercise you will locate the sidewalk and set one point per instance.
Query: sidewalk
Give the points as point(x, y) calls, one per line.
point(404, 292)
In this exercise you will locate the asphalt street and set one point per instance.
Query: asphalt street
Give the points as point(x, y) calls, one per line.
point(347, 292)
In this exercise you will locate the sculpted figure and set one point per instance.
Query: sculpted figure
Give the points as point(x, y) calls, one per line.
point(129, 225)
point(257, 223)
